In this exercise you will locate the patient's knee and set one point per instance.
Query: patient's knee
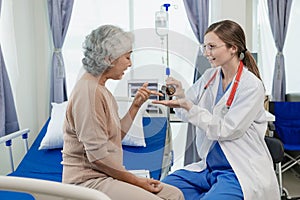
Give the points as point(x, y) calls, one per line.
point(171, 192)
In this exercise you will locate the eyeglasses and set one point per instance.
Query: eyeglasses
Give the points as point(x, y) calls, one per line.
point(209, 47)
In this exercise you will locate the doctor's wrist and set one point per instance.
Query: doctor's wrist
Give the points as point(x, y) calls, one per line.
point(185, 104)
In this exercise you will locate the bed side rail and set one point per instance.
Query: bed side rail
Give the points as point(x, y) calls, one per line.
point(8, 143)
point(41, 189)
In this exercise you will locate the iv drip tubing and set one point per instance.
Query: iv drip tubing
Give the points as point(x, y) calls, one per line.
point(167, 38)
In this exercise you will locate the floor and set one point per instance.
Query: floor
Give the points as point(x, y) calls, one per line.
point(291, 183)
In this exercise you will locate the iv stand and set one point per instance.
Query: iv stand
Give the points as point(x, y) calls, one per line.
point(168, 153)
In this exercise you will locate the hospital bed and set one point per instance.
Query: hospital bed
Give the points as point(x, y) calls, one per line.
point(40, 171)
point(38, 176)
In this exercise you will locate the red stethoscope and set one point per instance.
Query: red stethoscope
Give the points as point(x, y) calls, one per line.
point(234, 87)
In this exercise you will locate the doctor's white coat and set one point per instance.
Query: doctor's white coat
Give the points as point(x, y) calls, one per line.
point(240, 132)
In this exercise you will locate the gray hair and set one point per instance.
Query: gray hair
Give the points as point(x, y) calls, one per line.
point(102, 46)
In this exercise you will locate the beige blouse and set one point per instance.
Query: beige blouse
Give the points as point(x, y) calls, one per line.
point(92, 131)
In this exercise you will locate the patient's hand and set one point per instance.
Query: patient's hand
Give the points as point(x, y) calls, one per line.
point(150, 185)
point(143, 95)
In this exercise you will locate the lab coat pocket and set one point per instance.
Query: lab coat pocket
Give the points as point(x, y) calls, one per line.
point(262, 171)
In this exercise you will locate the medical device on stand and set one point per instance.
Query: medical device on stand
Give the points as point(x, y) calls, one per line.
point(162, 30)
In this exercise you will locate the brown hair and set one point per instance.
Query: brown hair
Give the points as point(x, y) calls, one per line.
point(232, 34)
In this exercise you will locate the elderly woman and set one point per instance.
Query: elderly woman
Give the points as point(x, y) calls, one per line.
point(93, 131)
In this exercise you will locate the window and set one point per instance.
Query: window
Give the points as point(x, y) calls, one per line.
point(86, 16)
point(267, 49)
point(290, 50)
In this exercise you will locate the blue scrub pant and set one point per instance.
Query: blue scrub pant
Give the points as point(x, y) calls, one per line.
point(217, 181)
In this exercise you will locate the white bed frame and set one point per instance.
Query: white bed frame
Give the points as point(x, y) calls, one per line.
point(49, 190)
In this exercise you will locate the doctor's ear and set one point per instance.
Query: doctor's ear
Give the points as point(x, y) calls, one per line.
point(233, 49)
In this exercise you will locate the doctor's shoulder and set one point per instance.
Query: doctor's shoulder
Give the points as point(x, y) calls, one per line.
point(249, 80)
point(208, 73)
point(251, 77)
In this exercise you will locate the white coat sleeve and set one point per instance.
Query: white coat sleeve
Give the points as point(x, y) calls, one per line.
point(192, 94)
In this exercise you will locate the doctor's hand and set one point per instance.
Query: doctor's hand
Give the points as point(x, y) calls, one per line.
point(175, 103)
point(143, 95)
point(150, 185)
point(179, 90)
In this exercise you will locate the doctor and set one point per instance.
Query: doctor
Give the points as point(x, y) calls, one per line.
point(227, 107)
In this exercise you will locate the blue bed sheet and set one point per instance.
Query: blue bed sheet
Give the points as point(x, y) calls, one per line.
point(151, 156)
point(41, 164)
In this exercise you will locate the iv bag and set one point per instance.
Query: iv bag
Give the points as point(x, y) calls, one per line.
point(161, 23)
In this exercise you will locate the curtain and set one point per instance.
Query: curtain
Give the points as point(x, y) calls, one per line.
point(8, 116)
point(59, 15)
point(279, 12)
point(197, 13)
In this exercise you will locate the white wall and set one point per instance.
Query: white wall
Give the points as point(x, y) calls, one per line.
point(33, 54)
point(240, 11)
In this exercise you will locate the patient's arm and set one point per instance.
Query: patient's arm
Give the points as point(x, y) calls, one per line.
point(118, 172)
point(127, 120)
point(141, 96)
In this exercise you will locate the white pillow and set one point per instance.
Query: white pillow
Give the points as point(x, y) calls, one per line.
point(54, 135)
point(135, 135)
